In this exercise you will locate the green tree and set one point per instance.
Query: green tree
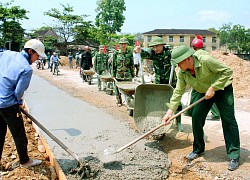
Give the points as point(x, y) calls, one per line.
point(84, 31)
point(235, 37)
point(13, 35)
point(11, 31)
point(109, 18)
point(66, 22)
point(214, 30)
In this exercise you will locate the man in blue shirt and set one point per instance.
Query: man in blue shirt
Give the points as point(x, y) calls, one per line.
point(15, 76)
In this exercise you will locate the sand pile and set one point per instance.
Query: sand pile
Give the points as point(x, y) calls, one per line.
point(241, 73)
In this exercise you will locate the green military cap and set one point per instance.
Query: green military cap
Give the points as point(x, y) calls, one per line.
point(101, 47)
point(181, 53)
point(123, 40)
point(156, 41)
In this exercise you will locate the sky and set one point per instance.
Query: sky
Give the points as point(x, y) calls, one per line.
point(147, 15)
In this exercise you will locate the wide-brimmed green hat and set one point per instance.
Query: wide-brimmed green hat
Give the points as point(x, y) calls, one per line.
point(180, 53)
point(123, 40)
point(156, 41)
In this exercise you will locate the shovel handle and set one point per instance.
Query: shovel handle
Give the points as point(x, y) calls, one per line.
point(160, 125)
point(50, 135)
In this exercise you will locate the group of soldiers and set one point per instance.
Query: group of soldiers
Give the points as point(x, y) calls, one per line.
point(208, 77)
point(120, 65)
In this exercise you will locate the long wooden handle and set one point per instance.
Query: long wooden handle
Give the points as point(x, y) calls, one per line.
point(160, 125)
point(50, 135)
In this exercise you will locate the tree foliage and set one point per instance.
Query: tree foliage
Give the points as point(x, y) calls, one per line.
point(84, 31)
point(235, 38)
point(214, 30)
point(13, 34)
point(109, 18)
point(66, 22)
point(10, 28)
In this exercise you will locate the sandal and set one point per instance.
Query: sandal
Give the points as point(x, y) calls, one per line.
point(31, 162)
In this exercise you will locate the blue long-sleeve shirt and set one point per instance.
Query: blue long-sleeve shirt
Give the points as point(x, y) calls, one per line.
point(15, 76)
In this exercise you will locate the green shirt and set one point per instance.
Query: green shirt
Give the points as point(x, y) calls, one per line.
point(209, 72)
point(200, 52)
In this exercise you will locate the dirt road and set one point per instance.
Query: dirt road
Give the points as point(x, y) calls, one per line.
point(174, 147)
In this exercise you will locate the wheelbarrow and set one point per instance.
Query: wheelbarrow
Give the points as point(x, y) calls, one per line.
point(109, 80)
point(87, 75)
point(150, 107)
point(128, 89)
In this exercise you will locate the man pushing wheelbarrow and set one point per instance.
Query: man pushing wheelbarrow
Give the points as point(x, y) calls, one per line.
point(160, 54)
point(122, 67)
point(86, 63)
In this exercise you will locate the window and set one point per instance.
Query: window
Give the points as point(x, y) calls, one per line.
point(204, 39)
point(213, 39)
point(170, 39)
point(149, 38)
point(181, 38)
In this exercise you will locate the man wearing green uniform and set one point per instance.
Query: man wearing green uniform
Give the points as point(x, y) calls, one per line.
point(213, 80)
point(197, 45)
point(161, 56)
point(101, 65)
point(123, 66)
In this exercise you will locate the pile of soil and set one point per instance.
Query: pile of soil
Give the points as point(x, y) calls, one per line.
point(10, 157)
point(241, 73)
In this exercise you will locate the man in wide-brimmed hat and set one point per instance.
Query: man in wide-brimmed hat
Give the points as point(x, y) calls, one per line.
point(213, 80)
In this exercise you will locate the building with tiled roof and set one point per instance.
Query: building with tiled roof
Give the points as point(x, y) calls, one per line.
point(176, 37)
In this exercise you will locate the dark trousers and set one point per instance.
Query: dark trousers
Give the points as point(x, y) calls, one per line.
point(12, 118)
point(214, 110)
point(224, 99)
point(137, 69)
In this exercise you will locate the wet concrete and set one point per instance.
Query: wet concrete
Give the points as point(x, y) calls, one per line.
point(87, 131)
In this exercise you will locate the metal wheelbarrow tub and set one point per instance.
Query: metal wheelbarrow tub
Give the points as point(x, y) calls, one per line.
point(150, 107)
point(88, 72)
point(108, 79)
point(128, 89)
point(88, 75)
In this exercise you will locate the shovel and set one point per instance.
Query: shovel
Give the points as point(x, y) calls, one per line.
point(111, 151)
point(51, 135)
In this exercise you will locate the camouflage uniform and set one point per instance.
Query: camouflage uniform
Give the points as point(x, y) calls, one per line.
point(123, 67)
point(100, 65)
point(162, 67)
